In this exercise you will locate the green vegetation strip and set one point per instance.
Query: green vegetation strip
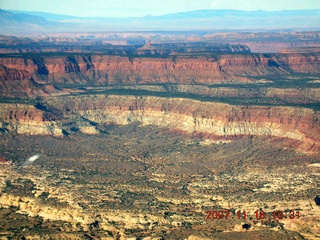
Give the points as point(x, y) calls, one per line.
point(256, 101)
point(232, 101)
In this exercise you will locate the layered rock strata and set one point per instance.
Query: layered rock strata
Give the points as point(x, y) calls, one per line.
point(31, 73)
point(26, 119)
point(208, 118)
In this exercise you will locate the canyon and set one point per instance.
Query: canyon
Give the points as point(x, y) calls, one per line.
point(140, 135)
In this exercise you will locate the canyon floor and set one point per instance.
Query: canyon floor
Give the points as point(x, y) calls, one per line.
point(136, 182)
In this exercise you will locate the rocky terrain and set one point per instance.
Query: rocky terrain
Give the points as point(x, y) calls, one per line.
point(204, 118)
point(36, 75)
point(269, 42)
point(154, 166)
point(165, 140)
point(136, 182)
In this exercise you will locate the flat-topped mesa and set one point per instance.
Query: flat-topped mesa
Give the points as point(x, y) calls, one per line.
point(300, 50)
point(35, 72)
point(190, 49)
point(125, 47)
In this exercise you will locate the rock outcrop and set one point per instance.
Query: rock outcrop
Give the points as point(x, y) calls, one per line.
point(29, 75)
point(26, 119)
point(205, 118)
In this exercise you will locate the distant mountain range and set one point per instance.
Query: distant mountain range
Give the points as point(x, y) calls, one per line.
point(19, 22)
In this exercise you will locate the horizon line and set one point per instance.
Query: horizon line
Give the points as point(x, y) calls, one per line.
point(150, 15)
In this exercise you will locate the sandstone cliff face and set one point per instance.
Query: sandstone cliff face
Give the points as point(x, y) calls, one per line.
point(206, 118)
point(26, 119)
point(107, 69)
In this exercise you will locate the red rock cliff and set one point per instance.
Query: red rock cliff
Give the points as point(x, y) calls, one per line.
point(209, 118)
point(106, 69)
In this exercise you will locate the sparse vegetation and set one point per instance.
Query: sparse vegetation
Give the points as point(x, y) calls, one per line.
point(137, 170)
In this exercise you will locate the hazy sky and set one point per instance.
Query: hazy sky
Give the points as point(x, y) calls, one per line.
point(127, 8)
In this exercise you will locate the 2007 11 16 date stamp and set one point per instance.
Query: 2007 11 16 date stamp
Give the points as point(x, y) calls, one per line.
point(259, 214)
